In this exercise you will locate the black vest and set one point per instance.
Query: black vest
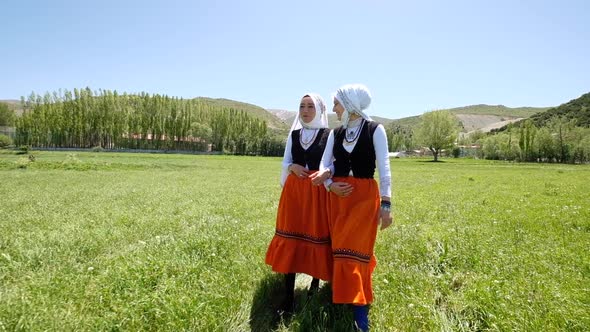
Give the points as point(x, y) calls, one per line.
point(361, 159)
point(313, 155)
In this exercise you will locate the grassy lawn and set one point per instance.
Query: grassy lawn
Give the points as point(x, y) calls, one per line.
point(121, 241)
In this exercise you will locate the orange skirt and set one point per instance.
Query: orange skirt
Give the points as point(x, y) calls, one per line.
point(301, 243)
point(353, 224)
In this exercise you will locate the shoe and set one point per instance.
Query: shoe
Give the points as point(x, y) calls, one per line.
point(314, 287)
point(287, 307)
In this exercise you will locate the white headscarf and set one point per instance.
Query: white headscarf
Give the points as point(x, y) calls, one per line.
point(354, 98)
point(319, 121)
point(321, 116)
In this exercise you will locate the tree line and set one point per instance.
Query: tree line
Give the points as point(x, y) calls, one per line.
point(559, 139)
point(106, 119)
point(87, 119)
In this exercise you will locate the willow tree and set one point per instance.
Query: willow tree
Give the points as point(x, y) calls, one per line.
point(438, 131)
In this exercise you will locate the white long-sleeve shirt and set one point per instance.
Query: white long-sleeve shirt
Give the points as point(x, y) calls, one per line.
point(381, 155)
point(288, 157)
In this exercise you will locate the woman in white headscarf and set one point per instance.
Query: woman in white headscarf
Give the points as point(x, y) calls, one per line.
point(356, 205)
point(301, 243)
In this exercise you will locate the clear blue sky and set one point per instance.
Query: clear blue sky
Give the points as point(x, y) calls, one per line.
point(415, 56)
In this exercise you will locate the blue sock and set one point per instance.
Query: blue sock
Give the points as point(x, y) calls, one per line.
point(361, 316)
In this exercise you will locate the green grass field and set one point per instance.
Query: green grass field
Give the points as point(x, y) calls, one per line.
point(128, 242)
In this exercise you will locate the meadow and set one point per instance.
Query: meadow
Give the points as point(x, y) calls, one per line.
point(95, 241)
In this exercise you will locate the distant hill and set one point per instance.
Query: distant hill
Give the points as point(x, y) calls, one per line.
point(283, 115)
point(576, 109)
point(272, 121)
point(482, 117)
point(410, 122)
point(13, 104)
point(381, 120)
point(483, 122)
point(499, 110)
point(288, 116)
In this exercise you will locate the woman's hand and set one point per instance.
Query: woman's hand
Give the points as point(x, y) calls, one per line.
point(386, 218)
point(341, 189)
point(298, 170)
point(320, 176)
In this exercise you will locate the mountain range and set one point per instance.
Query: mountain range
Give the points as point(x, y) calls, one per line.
point(475, 117)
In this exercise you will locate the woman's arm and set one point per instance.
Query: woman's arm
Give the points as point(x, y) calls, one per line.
point(287, 161)
point(382, 156)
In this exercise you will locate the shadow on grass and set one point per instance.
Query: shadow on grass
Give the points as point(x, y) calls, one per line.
point(430, 161)
point(266, 302)
point(312, 313)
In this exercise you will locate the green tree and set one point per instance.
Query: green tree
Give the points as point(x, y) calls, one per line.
point(579, 138)
point(545, 145)
point(200, 133)
point(490, 147)
point(399, 138)
point(508, 147)
point(476, 136)
point(528, 131)
point(5, 141)
point(561, 127)
point(6, 115)
point(438, 131)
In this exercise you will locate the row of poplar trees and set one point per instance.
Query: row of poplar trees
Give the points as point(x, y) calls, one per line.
point(109, 120)
point(558, 140)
